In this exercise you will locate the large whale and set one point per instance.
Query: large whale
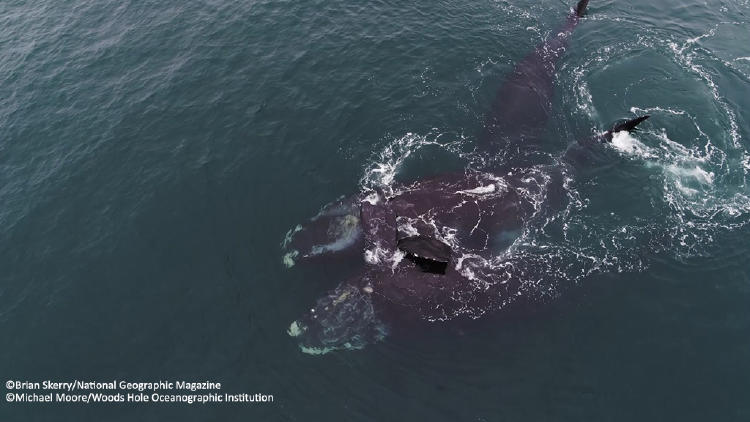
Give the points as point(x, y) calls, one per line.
point(434, 249)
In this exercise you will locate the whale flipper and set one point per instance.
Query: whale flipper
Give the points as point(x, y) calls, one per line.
point(627, 125)
point(584, 151)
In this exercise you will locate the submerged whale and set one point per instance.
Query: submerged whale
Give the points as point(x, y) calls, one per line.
point(435, 249)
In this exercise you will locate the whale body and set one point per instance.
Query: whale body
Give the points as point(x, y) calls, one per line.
point(439, 248)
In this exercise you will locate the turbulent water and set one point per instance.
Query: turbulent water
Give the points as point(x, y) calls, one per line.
point(153, 154)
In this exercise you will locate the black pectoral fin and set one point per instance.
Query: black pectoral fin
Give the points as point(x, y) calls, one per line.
point(430, 254)
point(629, 125)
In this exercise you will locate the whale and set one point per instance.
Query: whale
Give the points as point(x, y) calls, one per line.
point(436, 249)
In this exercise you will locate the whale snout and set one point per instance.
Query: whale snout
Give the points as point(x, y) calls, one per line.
point(342, 319)
point(296, 329)
point(336, 228)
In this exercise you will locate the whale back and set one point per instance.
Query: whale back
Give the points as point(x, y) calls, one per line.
point(523, 104)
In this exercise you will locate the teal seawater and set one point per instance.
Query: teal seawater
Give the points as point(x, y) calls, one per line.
point(153, 154)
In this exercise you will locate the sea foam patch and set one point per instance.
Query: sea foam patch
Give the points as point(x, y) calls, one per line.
point(628, 144)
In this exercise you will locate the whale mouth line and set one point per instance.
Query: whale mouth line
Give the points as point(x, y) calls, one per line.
point(428, 265)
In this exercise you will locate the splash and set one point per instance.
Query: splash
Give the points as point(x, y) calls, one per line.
point(627, 144)
point(381, 172)
point(701, 207)
point(700, 182)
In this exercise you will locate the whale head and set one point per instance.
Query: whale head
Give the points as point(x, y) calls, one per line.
point(334, 229)
point(343, 319)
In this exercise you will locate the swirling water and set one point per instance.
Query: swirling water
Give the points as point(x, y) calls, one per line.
point(152, 154)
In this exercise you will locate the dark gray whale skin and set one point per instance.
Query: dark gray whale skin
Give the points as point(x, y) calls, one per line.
point(474, 213)
point(465, 220)
point(523, 103)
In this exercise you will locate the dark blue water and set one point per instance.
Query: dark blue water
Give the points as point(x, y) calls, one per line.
point(153, 154)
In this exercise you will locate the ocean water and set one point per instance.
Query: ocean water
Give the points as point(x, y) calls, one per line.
point(153, 154)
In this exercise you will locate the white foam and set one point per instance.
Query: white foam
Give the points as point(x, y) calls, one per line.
point(338, 245)
point(288, 258)
point(290, 235)
point(373, 256)
point(481, 190)
point(627, 144)
point(372, 199)
point(381, 255)
point(647, 110)
point(396, 258)
point(383, 171)
point(406, 226)
point(316, 351)
point(684, 189)
point(685, 54)
point(696, 173)
point(348, 231)
point(584, 99)
point(295, 329)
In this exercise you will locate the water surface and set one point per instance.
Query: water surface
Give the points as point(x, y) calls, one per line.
point(153, 154)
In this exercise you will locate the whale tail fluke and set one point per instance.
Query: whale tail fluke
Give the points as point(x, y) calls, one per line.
point(581, 7)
